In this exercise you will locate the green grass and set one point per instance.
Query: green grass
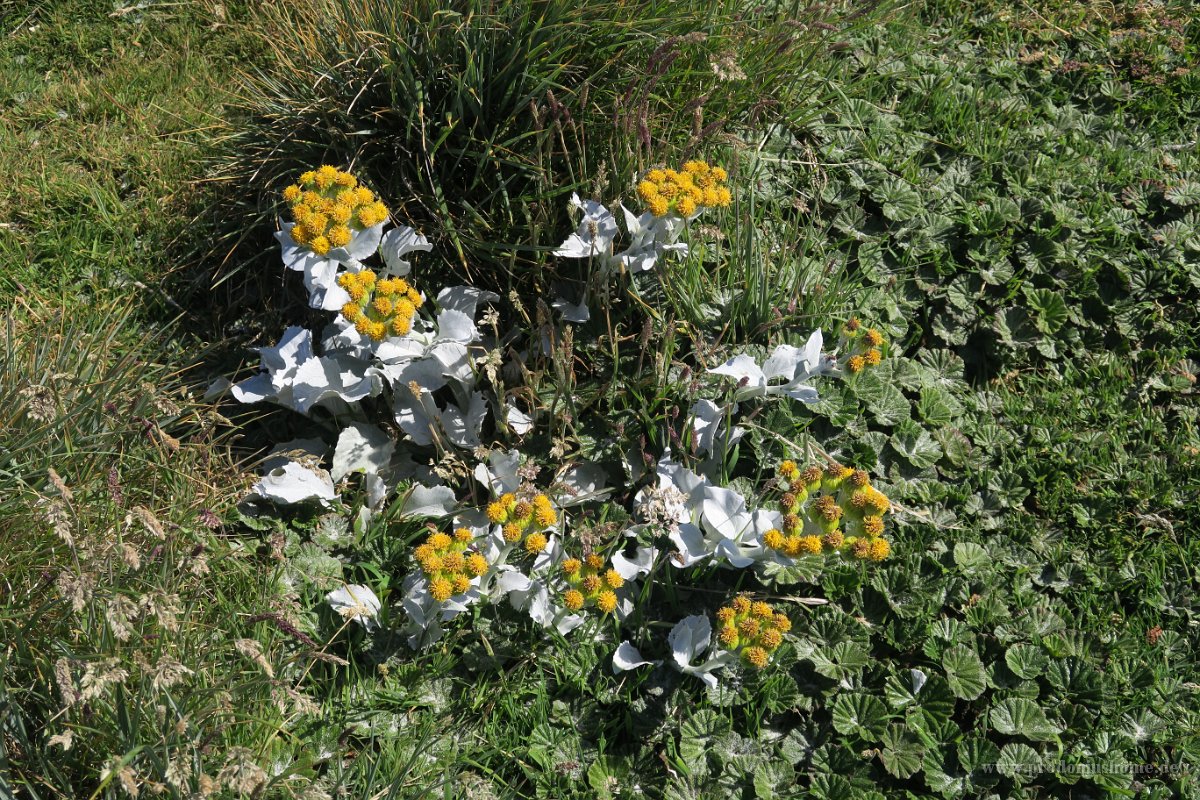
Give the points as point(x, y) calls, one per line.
point(1008, 191)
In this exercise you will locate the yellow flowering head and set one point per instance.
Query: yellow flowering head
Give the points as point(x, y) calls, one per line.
point(461, 583)
point(873, 337)
point(770, 639)
point(453, 561)
point(292, 193)
point(728, 637)
point(476, 564)
point(573, 599)
point(512, 532)
point(782, 623)
point(741, 604)
point(774, 539)
point(748, 627)
point(855, 364)
point(535, 543)
point(873, 357)
point(658, 206)
point(880, 549)
point(545, 516)
point(756, 657)
point(810, 544)
point(439, 541)
point(383, 305)
point(613, 579)
point(860, 478)
point(872, 525)
point(594, 560)
point(788, 469)
point(761, 610)
point(319, 245)
point(834, 540)
point(522, 510)
point(571, 567)
point(463, 536)
point(441, 589)
point(606, 601)
point(725, 615)
point(591, 583)
point(341, 214)
point(861, 548)
point(686, 206)
point(497, 512)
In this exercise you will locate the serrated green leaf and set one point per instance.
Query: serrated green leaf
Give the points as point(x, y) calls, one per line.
point(971, 556)
point(697, 735)
point(901, 753)
point(1050, 310)
point(917, 446)
point(1026, 660)
point(861, 715)
point(1019, 761)
point(1017, 716)
point(964, 672)
point(840, 661)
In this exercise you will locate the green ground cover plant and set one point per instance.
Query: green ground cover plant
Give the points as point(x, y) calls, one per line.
point(1003, 194)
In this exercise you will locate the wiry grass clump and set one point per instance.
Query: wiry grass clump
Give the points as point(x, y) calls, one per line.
point(480, 118)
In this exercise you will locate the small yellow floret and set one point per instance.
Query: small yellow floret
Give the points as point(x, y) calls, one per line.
point(658, 206)
point(855, 363)
point(461, 584)
point(307, 177)
point(646, 190)
point(724, 198)
point(573, 599)
point(718, 173)
point(741, 604)
point(782, 623)
point(686, 206)
point(439, 541)
point(656, 175)
point(873, 337)
point(571, 566)
point(594, 560)
point(873, 525)
point(606, 602)
point(810, 544)
point(476, 564)
point(756, 657)
point(512, 532)
point(546, 516)
point(873, 357)
point(591, 583)
point(319, 245)
point(725, 615)
point(788, 469)
point(292, 193)
point(614, 579)
point(770, 639)
point(339, 236)
point(464, 536)
point(880, 549)
point(773, 538)
point(345, 179)
point(497, 512)
point(728, 637)
point(535, 543)
point(440, 589)
point(452, 561)
point(522, 510)
point(834, 540)
point(762, 610)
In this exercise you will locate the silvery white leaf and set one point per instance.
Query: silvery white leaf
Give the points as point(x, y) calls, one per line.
point(356, 602)
point(294, 348)
point(577, 313)
point(706, 420)
point(363, 244)
point(295, 483)
point(320, 279)
point(464, 299)
point(520, 422)
point(456, 326)
point(918, 680)
point(744, 369)
point(461, 428)
point(361, 448)
point(500, 473)
point(782, 362)
point(428, 373)
point(377, 491)
point(416, 415)
point(455, 363)
point(254, 389)
point(399, 242)
point(690, 545)
point(595, 235)
point(627, 657)
point(724, 512)
point(689, 639)
point(334, 375)
point(581, 483)
point(641, 563)
point(429, 501)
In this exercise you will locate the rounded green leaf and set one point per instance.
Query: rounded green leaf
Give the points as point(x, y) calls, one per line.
point(964, 672)
point(862, 715)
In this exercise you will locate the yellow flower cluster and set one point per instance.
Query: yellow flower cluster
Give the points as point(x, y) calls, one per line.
point(862, 345)
point(591, 584)
point(828, 510)
point(379, 308)
point(449, 564)
point(685, 192)
point(524, 521)
point(751, 628)
point(328, 206)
